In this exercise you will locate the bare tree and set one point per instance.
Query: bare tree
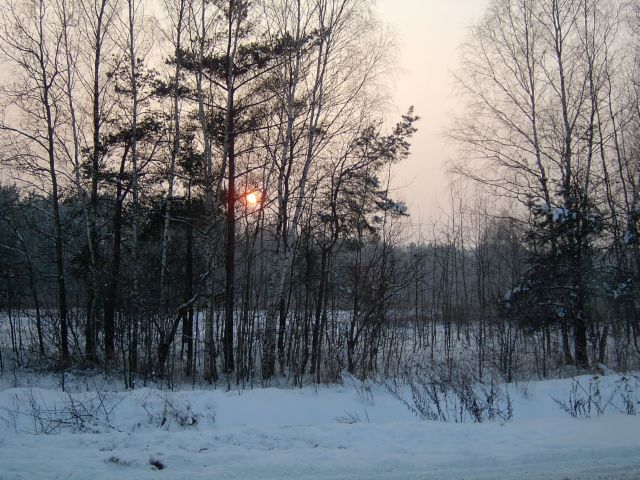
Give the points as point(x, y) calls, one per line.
point(31, 39)
point(533, 79)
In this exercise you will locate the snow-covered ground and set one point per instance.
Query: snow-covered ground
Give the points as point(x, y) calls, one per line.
point(353, 431)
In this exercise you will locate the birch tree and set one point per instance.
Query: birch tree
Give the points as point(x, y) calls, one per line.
point(533, 77)
point(31, 40)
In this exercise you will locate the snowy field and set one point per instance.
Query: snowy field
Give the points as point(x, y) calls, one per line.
point(352, 431)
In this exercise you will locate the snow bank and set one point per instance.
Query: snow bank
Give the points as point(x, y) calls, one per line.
point(354, 431)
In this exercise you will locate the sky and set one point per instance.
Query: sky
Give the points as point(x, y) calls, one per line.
point(428, 33)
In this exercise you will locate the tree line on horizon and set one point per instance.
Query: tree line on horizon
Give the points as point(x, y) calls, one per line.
point(202, 190)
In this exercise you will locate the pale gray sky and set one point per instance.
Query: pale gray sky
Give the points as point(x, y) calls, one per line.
point(429, 33)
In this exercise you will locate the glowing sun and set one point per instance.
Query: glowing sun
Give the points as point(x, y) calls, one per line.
point(252, 198)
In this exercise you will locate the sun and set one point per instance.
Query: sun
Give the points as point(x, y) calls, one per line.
point(252, 198)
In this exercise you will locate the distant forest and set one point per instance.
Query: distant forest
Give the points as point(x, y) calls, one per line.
point(199, 190)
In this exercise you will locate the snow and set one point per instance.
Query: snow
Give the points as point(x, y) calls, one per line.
point(628, 237)
point(353, 431)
